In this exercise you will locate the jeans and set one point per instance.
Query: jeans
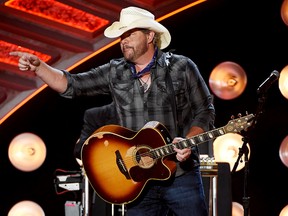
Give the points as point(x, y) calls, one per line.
point(180, 196)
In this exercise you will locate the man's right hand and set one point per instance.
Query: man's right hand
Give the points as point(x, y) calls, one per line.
point(26, 61)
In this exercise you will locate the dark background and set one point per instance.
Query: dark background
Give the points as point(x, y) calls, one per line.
point(250, 33)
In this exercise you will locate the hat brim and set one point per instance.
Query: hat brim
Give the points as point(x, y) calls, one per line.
point(117, 29)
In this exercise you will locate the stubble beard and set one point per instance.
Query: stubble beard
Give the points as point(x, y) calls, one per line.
point(132, 54)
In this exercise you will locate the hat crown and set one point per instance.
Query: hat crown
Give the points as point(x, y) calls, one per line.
point(134, 17)
point(131, 14)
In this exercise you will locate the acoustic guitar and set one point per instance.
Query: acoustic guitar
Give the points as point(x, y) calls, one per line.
point(119, 162)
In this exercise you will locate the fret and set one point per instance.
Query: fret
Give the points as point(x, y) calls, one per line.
point(206, 136)
point(163, 151)
point(166, 150)
point(201, 138)
point(178, 145)
point(186, 145)
point(210, 135)
point(157, 153)
point(221, 131)
point(153, 155)
point(171, 148)
point(192, 140)
point(218, 132)
point(197, 140)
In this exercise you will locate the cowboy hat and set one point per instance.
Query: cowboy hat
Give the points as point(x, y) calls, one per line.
point(134, 17)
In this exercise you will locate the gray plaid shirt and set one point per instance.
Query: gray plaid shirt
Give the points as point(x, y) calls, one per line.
point(135, 108)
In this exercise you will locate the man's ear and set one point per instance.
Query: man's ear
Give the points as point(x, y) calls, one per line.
point(151, 36)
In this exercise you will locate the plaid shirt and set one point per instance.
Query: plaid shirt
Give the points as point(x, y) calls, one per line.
point(135, 108)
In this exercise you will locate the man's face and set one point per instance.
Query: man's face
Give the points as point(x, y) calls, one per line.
point(134, 44)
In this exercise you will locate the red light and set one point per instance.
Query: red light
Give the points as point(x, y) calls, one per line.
point(6, 48)
point(58, 12)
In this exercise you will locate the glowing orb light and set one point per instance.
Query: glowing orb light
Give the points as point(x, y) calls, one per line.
point(26, 208)
point(226, 149)
point(283, 82)
point(283, 151)
point(27, 152)
point(237, 209)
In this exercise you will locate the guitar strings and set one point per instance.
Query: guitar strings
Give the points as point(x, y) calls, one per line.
point(152, 153)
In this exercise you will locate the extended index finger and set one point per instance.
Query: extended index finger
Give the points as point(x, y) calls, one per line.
point(16, 53)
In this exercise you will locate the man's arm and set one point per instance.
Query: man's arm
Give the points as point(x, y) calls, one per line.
point(53, 77)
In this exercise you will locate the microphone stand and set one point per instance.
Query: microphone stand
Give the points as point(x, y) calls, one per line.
point(244, 150)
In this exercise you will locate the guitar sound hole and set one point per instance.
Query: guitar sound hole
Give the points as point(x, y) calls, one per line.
point(144, 158)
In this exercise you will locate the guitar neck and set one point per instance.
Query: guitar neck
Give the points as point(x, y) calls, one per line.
point(233, 126)
point(187, 143)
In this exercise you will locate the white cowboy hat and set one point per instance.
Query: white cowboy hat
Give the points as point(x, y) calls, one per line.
point(133, 17)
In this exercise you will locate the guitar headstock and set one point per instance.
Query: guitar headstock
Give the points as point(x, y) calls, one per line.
point(239, 124)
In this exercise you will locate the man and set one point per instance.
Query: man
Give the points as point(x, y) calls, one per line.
point(146, 85)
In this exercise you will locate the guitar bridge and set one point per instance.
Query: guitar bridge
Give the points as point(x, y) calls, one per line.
point(121, 165)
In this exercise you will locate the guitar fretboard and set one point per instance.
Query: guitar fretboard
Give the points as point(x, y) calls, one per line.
point(186, 143)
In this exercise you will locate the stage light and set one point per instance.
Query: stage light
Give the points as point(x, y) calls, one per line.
point(228, 80)
point(226, 149)
point(283, 82)
point(283, 151)
point(25, 208)
point(284, 12)
point(284, 211)
point(27, 152)
point(237, 209)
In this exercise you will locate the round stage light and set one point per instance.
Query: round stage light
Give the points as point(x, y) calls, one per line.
point(226, 149)
point(228, 80)
point(284, 12)
point(283, 82)
point(237, 209)
point(284, 211)
point(283, 151)
point(25, 208)
point(27, 152)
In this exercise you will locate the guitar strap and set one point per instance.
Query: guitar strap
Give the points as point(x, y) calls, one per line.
point(171, 92)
